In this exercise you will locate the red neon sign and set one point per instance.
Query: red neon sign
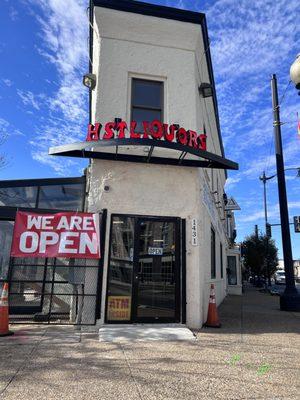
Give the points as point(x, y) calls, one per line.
point(155, 130)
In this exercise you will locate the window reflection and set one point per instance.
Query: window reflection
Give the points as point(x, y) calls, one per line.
point(120, 269)
point(147, 101)
point(65, 197)
point(58, 197)
point(231, 270)
point(156, 289)
point(18, 196)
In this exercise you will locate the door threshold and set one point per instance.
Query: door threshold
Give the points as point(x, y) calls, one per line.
point(144, 333)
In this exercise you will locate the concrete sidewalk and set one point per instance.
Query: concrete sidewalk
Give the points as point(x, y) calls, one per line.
point(255, 355)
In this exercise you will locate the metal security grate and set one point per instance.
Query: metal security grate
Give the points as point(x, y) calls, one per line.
point(53, 290)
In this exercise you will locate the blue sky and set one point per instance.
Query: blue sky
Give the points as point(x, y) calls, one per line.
point(43, 53)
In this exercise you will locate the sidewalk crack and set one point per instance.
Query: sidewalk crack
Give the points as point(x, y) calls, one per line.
point(131, 372)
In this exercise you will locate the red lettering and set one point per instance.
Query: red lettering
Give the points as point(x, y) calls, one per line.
point(182, 136)
point(121, 126)
point(202, 141)
point(193, 142)
point(109, 133)
point(133, 134)
point(169, 136)
point(146, 132)
point(93, 132)
point(156, 129)
point(125, 303)
point(111, 304)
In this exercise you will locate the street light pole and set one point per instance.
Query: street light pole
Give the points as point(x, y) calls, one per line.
point(290, 300)
point(264, 179)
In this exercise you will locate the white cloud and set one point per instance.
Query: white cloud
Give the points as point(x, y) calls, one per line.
point(6, 128)
point(7, 82)
point(63, 43)
point(13, 14)
point(30, 99)
point(231, 182)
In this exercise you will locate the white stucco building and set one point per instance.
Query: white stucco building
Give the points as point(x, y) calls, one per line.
point(161, 186)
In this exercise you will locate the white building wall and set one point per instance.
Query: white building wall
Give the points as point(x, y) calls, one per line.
point(129, 45)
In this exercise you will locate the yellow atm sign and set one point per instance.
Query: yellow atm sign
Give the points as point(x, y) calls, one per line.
point(119, 308)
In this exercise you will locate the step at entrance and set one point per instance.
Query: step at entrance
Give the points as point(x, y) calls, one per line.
point(147, 332)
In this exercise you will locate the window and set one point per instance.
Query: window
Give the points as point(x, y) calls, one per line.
point(22, 196)
point(213, 253)
point(146, 101)
point(231, 270)
point(61, 197)
point(221, 260)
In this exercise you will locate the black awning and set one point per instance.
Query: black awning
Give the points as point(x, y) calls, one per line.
point(200, 158)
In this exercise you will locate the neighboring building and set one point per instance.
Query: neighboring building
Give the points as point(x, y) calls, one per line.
point(296, 267)
point(167, 235)
point(234, 264)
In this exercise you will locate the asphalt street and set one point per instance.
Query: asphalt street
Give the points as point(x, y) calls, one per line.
point(280, 288)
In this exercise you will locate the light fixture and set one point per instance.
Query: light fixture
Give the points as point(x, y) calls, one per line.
point(89, 80)
point(206, 89)
point(295, 72)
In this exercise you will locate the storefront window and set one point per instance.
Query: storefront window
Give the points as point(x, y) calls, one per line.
point(147, 101)
point(6, 232)
point(120, 269)
point(20, 196)
point(61, 197)
point(231, 270)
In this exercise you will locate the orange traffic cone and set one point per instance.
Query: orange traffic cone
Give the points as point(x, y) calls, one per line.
point(212, 315)
point(4, 331)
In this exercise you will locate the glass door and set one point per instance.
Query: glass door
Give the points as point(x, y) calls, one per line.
point(144, 270)
point(156, 271)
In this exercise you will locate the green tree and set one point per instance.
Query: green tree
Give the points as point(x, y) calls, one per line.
point(260, 255)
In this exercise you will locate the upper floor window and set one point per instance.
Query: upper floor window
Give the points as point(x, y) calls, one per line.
point(146, 101)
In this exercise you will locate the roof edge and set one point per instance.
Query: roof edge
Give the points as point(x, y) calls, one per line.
point(153, 10)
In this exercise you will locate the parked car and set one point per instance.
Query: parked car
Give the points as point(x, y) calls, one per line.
point(258, 281)
point(279, 277)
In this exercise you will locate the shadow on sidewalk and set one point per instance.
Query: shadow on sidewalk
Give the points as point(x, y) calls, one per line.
point(254, 313)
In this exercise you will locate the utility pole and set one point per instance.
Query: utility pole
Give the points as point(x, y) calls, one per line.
point(256, 231)
point(290, 300)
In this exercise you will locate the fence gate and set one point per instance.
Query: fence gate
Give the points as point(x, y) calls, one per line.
point(54, 290)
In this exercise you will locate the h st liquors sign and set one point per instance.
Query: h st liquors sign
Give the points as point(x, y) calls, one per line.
point(67, 234)
point(157, 130)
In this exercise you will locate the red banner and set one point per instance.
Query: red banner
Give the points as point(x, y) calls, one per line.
point(66, 234)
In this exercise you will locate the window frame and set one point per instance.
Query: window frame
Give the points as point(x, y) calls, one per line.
point(148, 108)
